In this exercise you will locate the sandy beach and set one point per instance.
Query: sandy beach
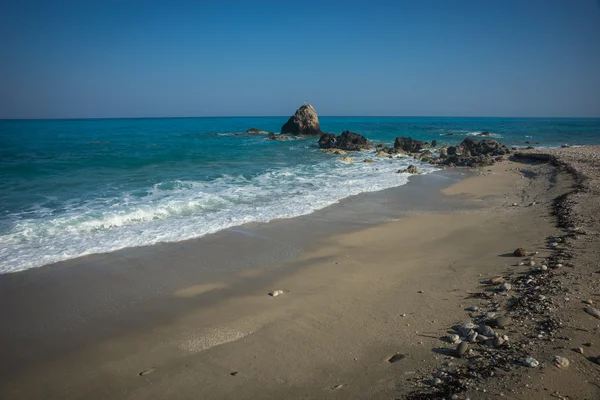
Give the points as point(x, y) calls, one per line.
point(375, 276)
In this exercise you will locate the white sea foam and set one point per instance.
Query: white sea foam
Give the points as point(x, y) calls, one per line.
point(179, 210)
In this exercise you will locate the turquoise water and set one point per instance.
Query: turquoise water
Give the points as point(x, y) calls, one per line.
point(75, 187)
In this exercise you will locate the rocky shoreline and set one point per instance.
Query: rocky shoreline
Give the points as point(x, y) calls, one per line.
point(521, 320)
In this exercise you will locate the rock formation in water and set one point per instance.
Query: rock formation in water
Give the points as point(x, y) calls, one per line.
point(304, 122)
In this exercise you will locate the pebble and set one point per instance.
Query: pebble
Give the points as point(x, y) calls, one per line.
point(454, 338)
point(496, 280)
point(502, 322)
point(147, 371)
point(486, 330)
point(396, 358)
point(520, 252)
point(560, 362)
point(465, 328)
point(578, 350)
point(472, 338)
point(275, 293)
point(532, 263)
point(475, 308)
point(559, 265)
point(436, 381)
point(461, 349)
point(505, 287)
point(515, 204)
point(420, 291)
point(590, 302)
point(234, 373)
point(531, 362)
point(544, 268)
point(499, 341)
point(334, 387)
point(592, 311)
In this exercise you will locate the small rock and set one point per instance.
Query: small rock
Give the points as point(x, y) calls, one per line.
point(403, 315)
point(544, 268)
point(530, 362)
point(532, 263)
point(520, 252)
point(472, 338)
point(420, 291)
point(472, 308)
point(275, 293)
point(592, 311)
point(234, 373)
point(436, 381)
point(505, 287)
point(498, 341)
point(396, 358)
point(461, 349)
point(486, 330)
point(465, 328)
point(335, 387)
point(515, 204)
point(502, 322)
point(578, 350)
point(147, 371)
point(453, 338)
point(347, 159)
point(560, 362)
point(590, 302)
point(496, 280)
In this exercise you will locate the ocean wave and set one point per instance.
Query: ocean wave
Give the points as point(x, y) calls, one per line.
point(177, 210)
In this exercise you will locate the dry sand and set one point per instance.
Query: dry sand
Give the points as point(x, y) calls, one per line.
point(350, 301)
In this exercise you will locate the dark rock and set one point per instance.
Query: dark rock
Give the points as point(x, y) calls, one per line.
point(408, 144)
point(396, 358)
point(433, 143)
point(410, 170)
point(349, 141)
point(520, 252)
point(484, 134)
point(474, 153)
point(257, 131)
point(304, 122)
point(502, 322)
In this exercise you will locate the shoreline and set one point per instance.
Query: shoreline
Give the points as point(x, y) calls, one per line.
point(362, 284)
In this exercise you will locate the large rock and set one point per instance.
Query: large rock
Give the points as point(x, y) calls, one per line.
point(349, 141)
point(304, 122)
point(409, 144)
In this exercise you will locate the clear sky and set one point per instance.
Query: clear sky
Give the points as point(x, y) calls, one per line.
point(105, 58)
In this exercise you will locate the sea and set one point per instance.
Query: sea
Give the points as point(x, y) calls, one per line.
point(69, 188)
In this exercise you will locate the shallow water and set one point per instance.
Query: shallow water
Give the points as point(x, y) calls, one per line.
point(75, 187)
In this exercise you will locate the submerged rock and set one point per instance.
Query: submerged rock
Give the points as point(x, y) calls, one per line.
point(273, 136)
point(410, 170)
point(335, 151)
point(304, 122)
point(256, 131)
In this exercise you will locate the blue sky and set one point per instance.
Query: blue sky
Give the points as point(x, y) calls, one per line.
point(81, 59)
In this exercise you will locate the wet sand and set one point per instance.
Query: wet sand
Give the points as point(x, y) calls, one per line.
point(376, 275)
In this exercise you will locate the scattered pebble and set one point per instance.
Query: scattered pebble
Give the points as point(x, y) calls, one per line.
point(461, 349)
point(505, 287)
point(592, 311)
point(396, 358)
point(531, 362)
point(147, 371)
point(275, 293)
point(560, 362)
point(453, 338)
point(502, 322)
point(520, 252)
point(590, 302)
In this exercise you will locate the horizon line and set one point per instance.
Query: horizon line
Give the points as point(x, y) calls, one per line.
point(286, 116)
